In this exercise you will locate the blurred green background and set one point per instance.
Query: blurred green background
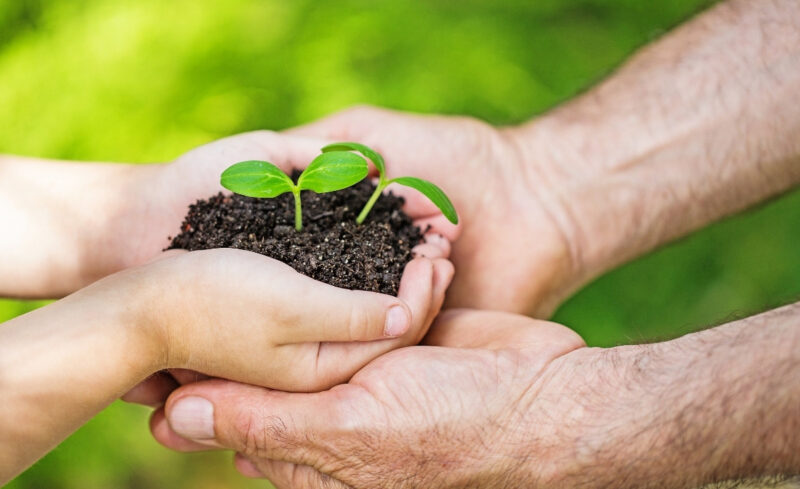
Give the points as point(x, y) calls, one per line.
point(147, 80)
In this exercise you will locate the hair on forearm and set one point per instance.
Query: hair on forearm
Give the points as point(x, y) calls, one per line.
point(730, 399)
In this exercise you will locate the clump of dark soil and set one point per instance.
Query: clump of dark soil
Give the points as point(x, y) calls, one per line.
point(331, 248)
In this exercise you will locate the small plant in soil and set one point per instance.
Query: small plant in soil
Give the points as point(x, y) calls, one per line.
point(327, 173)
point(431, 191)
point(325, 233)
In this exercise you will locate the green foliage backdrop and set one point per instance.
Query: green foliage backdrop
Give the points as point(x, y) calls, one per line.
point(144, 81)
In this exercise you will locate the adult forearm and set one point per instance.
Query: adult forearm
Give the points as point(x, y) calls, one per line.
point(717, 405)
point(697, 126)
point(57, 220)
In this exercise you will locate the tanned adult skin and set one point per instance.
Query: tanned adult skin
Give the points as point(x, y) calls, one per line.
point(699, 125)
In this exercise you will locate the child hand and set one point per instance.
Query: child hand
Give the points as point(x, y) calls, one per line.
point(241, 316)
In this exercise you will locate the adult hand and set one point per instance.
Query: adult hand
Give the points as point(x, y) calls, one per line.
point(159, 197)
point(499, 401)
point(475, 408)
point(499, 188)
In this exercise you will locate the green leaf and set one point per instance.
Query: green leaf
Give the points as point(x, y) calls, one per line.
point(333, 171)
point(256, 179)
point(432, 192)
point(370, 153)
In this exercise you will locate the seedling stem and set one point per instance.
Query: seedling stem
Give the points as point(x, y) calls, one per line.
point(298, 210)
point(327, 173)
point(429, 190)
point(371, 202)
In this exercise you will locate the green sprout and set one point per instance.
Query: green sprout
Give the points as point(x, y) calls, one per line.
point(431, 191)
point(328, 172)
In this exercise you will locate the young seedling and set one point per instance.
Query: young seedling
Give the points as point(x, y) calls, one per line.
point(431, 191)
point(328, 172)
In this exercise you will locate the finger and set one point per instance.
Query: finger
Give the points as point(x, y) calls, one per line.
point(468, 328)
point(337, 362)
point(165, 254)
point(285, 475)
point(153, 391)
point(327, 313)
point(443, 273)
point(440, 241)
point(246, 467)
point(263, 423)
point(354, 123)
point(434, 246)
point(429, 251)
point(185, 376)
point(165, 435)
point(284, 150)
point(416, 205)
point(207, 162)
point(424, 212)
point(288, 151)
point(440, 225)
point(416, 288)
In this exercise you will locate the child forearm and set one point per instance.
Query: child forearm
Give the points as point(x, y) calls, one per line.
point(57, 218)
point(62, 364)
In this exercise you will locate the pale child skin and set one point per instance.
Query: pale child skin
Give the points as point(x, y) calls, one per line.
point(225, 313)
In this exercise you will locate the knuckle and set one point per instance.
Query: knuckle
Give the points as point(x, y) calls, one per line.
point(325, 481)
point(261, 139)
point(260, 435)
point(264, 142)
point(357, 322)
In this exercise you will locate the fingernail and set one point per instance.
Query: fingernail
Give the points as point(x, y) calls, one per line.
point(193, 418)
point(434, 238)
point(397, 322)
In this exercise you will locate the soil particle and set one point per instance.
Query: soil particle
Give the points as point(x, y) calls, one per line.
point(331, 248)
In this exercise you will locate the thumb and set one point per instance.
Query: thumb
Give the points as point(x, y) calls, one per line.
point(258, 422)
point(353, 123)
point(324, 313)
point(164, 255)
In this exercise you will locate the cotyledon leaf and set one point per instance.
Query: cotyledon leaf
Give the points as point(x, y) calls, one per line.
point(333, 171)
point(256, 179)
point(432, 192)
point(370, 153)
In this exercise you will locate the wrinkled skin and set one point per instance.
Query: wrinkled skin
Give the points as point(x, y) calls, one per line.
point(507, 206)
point(479, 391)
point(462, 413)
